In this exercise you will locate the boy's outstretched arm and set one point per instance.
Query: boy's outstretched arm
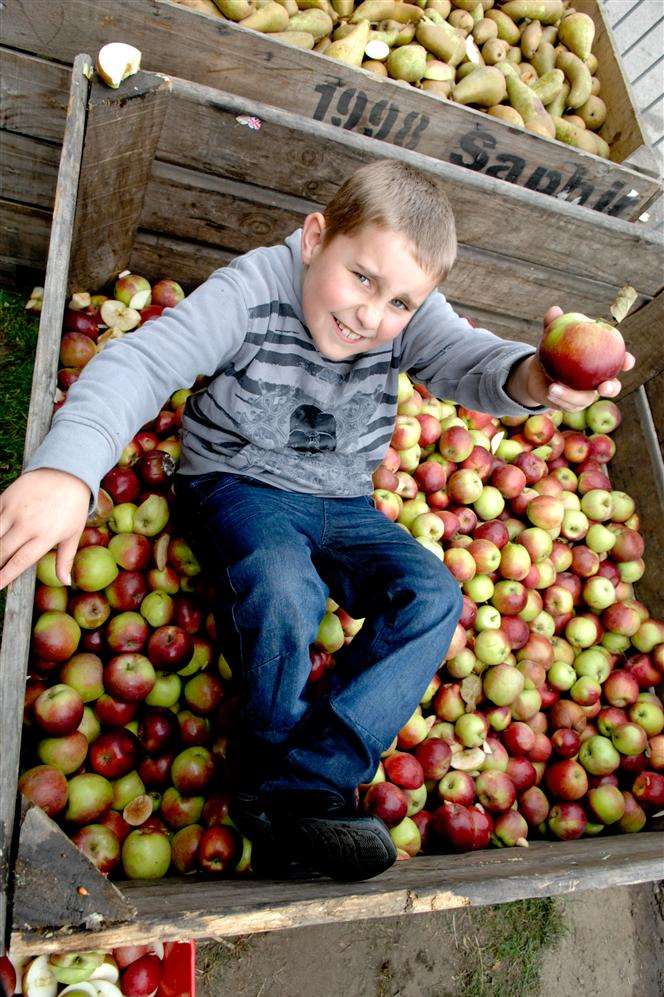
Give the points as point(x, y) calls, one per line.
point(120, 390)
point(480, 370)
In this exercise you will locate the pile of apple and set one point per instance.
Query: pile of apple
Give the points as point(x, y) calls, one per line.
point(542, 719)
point(129, 971)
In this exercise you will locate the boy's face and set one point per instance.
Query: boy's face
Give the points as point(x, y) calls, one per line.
point(361, 290)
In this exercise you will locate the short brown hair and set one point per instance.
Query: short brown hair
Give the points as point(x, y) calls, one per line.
point(397, 196)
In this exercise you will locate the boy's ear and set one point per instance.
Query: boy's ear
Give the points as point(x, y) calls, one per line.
point(313, 231)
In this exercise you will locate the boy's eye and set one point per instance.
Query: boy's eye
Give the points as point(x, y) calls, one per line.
point(397, 301)
point(401, 304)
point(361, 277)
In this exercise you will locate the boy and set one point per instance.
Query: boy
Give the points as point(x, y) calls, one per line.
point(304, 343)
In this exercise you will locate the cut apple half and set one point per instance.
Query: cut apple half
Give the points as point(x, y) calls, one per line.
point(107, 337)
point(116, 61)
point(38, 980)
point(377, 49)
point(80, 990)
point(138, 811)
point(105, 988)
point(466, 761)
point(160, 551)
point(115, 314)
point(108, 972)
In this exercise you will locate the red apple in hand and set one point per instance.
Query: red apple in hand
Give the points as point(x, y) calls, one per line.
point(580, 352)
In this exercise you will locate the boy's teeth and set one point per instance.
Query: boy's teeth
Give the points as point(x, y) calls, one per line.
point(346, 331)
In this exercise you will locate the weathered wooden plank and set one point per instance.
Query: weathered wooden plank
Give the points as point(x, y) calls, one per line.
point(24, 233)
point(29, 169)
point(549, 231)
point(640, 19)
point(238, 217)
point(120, 141)
point(56, 884)
point(622, 129)
point(208, 50)
point(321, 156)
point(16, 638)
point(655, 394)
point(643, 332)
point(33, 95)
point(203, 908)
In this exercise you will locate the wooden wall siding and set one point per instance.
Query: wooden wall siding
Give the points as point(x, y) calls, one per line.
point(638, 30)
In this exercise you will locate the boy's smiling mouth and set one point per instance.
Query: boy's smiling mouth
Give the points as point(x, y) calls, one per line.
point(344, 333)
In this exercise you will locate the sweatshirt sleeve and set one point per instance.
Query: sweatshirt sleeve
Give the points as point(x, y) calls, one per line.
point(127, 383)
point(454, 360)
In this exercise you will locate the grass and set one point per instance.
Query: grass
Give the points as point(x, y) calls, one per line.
point(18, 339)
point(501, 946)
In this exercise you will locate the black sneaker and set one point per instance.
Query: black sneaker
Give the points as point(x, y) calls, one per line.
point(325, 832)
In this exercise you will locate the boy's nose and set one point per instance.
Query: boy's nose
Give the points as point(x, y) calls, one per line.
point(369, 316)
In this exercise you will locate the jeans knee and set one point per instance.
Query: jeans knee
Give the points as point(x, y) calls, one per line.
point(442, 597)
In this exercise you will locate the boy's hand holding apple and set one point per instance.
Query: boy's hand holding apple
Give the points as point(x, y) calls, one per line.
point(531, 384)
point(39, 511)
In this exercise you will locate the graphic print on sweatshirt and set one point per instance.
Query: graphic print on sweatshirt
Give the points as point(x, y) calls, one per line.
point(285, 414)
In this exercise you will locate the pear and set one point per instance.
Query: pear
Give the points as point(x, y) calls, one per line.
point(384, 10)
point(507, 29)
point(484, 31)
point(546, 11)
point(577, 32)
point(549, 86)
point(409, 63)
point(530, 107)
point(559, 102)
point(442, 41)
point(495, 50)
point(531, 36)
point(235, 10)
point(578, 75)
point(300, 39)
point(351, 48)
point(593, 112)
point(544, 58)
point(508, 114)
point(375, 66)
point(314, 22)
point(485, 87)
point(271, 17)
point(344, 8)
point(571, 134)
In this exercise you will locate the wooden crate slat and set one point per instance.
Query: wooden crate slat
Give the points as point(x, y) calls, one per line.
point(14, 650)
point(197, 908)
point(622, 129)
point(643, 332)
point(33, 95)
point(639, 19)
point(546, 230)
point(208, 50)
point(655, 394)
point(120, 142)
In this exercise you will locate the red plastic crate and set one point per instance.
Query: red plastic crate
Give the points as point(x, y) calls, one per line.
point(179, 970)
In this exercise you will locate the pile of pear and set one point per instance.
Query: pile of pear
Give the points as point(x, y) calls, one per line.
point(528, 62)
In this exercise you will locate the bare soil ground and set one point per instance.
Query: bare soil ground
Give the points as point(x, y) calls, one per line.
point(613, 945)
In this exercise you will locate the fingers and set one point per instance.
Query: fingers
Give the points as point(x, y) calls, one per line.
point(629, 362)
point(609, 389)
point(13, 539)
point(64, 558)
point(568, 399)
point(551, 315)
point(25, 556)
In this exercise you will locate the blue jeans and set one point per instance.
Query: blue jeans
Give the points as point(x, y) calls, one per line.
point(275, 556)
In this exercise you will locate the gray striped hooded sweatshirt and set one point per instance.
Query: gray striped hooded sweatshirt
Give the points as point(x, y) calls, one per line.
point(275, 410)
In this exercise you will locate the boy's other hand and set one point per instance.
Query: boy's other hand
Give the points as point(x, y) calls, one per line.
point(40, 510)
point(530, 384)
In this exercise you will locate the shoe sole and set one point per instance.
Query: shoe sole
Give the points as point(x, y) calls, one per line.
point(348, 850)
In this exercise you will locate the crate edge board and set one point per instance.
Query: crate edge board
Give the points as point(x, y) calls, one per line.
point(16, 636)
point(421, 885)
point(154, 19)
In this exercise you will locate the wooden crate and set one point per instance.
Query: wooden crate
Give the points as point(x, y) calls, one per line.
point(41, 39)
point(126, 143)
